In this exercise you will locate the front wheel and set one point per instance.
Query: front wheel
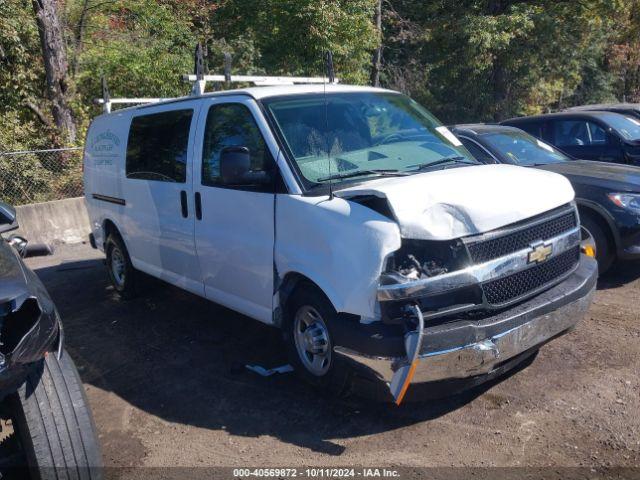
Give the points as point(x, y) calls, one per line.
point(307, 333)
point(605, 254)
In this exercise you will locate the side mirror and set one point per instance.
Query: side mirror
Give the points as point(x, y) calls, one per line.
point(8, 219)
point(235, 168)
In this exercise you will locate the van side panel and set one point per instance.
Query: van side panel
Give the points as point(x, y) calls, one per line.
point(104, 156)
point(339, 245)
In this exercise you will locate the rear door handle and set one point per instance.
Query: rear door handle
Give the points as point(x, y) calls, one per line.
point(183, 204)
point(198, 206)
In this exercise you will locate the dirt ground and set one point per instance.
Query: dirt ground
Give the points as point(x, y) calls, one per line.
point(166, 381)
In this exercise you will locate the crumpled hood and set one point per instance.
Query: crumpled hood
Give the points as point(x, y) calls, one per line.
point(458, 202)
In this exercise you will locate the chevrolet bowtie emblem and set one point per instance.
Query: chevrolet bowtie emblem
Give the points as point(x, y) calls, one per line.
point(539, 253)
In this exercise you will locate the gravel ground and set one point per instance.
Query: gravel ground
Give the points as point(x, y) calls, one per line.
point(164, 375)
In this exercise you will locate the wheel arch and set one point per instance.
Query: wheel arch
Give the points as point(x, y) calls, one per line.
point(286, 288)
point(109, 227)
point(600, 215)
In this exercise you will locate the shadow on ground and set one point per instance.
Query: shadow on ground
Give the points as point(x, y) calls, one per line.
point(181, 358)
point(619, 275)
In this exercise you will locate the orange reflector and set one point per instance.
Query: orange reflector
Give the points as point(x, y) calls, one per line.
point(589, 251)
point(407, 382)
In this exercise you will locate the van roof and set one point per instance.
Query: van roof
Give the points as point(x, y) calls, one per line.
point(265, 92)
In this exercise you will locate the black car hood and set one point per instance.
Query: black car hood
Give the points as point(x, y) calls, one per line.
point(621, 177)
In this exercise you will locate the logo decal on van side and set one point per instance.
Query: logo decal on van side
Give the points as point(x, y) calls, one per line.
point(103, 148)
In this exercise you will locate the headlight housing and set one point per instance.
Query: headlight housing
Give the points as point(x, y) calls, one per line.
point(628, 201)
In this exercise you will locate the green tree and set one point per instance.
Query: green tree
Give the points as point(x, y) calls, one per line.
point(623, 53)
point(487, 60)
point(291, 35)
point(142, 48)
point(23, 106)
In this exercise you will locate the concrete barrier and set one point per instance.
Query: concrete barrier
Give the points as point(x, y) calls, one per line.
point(59, 221)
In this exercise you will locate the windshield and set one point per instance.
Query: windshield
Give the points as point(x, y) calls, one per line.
point(627, 127)
point(523, 149)
point(348, 135)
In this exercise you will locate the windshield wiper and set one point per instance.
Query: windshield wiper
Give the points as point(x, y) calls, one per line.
point(358, 173)
point(442, 161)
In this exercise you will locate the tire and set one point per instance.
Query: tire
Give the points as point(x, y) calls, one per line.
point(310, 315)
point(54, 423)
point(122, 274)
point(605, 252)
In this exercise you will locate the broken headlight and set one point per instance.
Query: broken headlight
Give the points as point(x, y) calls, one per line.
point(16, 324)
point(420, 259)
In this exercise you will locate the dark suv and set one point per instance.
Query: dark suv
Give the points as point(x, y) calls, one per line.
point(608, 195)
point(630, 109)
point(601, 136)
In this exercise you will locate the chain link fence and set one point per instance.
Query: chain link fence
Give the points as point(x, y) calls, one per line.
point(40, 175)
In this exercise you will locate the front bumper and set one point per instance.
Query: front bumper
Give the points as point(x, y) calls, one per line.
point(467, 348)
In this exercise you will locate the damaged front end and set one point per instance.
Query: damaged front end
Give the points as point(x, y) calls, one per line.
point(26, 334)
point(29, 323)
point(427, 273)
point(468, 307)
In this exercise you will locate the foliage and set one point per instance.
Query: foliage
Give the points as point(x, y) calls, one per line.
point(21, 76)
point(141, 47)
point(466, 60)
point(291, 35)
point(487, 60)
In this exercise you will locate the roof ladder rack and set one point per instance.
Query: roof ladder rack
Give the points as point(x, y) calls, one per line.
point(106, 101)
point(199, 80)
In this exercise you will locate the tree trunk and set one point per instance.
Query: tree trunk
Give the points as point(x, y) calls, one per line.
point(499, 74)
point(79, 37)
point(376, 64)
point(55, 65)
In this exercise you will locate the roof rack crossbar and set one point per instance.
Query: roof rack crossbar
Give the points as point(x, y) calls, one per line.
point(131, 101)
point(261, 80)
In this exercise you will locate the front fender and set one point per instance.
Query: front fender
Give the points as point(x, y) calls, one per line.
point(339, 245)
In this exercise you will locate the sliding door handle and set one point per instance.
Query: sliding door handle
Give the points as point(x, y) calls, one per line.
point(198, 206)
point(183, 204)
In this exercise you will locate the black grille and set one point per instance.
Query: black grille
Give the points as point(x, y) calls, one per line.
point(501, 245)
point(514, 286)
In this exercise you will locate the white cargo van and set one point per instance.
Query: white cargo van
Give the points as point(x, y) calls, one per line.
point(350, 218)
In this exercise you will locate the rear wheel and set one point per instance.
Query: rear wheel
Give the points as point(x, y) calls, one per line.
point(307, 333)
point(54, 425)
point(605, 251)
point(121, 271)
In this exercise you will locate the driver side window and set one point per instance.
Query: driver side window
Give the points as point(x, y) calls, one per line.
point(231, 125)
point(570, 133)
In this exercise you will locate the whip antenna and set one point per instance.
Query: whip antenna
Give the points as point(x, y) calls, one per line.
point(331, 77)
